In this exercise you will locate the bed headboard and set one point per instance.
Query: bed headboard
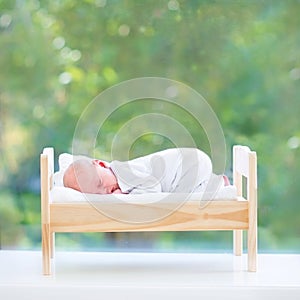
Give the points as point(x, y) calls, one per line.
point(47, 170)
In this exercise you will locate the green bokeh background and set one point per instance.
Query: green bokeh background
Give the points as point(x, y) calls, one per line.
point(243, 57)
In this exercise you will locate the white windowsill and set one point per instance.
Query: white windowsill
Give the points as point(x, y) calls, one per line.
point(86, 275)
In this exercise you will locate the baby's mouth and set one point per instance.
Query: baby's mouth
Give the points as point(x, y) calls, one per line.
point(113, 188)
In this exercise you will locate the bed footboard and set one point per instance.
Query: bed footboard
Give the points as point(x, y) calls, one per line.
point(245, 180)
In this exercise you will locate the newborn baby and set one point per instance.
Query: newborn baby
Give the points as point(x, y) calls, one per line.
point(178, 170)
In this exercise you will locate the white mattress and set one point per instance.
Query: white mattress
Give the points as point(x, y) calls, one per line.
point(61, 194)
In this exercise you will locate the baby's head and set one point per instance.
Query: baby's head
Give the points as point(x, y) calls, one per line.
point(81, 175)
point(90, 176)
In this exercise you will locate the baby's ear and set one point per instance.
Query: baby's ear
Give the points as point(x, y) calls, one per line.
point(99, 163)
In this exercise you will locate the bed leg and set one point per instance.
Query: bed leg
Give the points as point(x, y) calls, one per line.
point(252, 230)
point(252, 248)
point(238, 242)
point(52, 244)
point(46, 249)
point(252, 242)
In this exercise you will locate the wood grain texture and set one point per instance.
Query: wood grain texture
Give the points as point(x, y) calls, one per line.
point(46, 251)
point(216, 215)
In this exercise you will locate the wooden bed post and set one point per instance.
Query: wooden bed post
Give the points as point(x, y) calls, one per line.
point(237, 181)
point(46, 164)
point(252, 198)
point(245, 164)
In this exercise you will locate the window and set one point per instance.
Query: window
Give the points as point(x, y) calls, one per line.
point(57, 56)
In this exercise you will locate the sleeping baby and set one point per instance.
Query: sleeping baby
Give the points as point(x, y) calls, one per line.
point(176, 170)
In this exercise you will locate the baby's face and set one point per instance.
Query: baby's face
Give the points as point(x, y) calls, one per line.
point(105, 181)
point(90, 177)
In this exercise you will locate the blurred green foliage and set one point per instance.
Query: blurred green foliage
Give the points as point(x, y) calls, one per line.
point(241, 55)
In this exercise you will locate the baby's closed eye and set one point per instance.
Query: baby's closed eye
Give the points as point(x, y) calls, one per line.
point(99, 184)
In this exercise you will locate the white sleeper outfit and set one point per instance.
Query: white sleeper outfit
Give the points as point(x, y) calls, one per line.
point(178, 170)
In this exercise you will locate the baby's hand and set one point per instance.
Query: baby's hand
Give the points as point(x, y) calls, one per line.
point(117, 191)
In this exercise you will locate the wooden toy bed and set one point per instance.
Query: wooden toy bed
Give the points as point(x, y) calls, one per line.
point(236, 214)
